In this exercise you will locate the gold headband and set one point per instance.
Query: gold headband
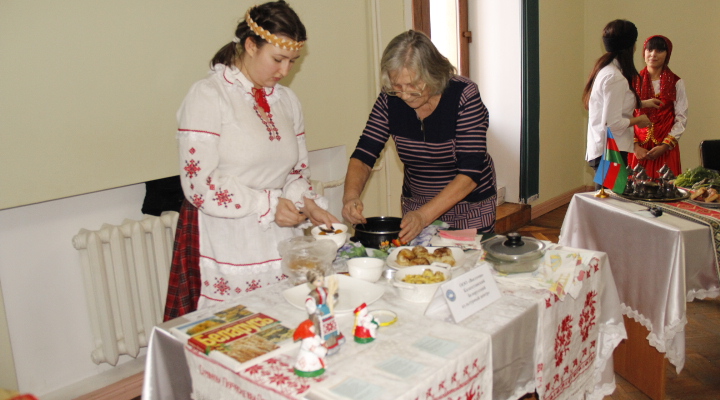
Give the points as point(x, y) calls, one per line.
point(286, 44)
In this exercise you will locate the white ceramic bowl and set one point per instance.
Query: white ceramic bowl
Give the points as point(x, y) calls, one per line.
point(339, 238)
point(366, 268)
point(419, 292)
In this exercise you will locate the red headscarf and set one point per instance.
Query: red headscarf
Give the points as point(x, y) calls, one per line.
point(304, 330)
point(643, 85)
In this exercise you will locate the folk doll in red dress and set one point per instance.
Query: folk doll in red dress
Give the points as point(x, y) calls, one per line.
point(244, 166)
point(657, 144)
point(311, 358)
point(365, 328)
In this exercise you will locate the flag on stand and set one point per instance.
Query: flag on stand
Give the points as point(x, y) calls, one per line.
point(611, 172)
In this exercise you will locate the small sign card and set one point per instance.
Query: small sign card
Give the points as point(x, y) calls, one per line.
point(470, 292)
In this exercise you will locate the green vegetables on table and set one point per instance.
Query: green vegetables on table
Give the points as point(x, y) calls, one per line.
point(698, 177)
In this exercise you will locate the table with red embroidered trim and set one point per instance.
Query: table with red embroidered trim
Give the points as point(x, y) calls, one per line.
point(412, 358)
point(559, 348)
point(659, 263)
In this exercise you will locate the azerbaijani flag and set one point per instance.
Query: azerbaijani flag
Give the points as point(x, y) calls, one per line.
point(611, 172)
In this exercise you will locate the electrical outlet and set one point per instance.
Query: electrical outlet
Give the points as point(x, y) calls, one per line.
point(500, 195)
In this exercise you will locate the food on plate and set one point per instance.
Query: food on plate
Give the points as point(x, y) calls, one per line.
point(336, 232)
point(698, 177)
point(420, 255)
point(698, 194)
point(706, 194)
point(712, 195)
point(427, 276)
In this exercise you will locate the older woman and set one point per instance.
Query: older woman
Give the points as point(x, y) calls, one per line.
point(657, 144)
point(439, 124)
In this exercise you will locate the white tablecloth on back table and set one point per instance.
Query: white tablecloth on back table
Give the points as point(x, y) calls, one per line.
point(658, 263)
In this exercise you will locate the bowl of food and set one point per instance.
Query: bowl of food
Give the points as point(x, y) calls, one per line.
point(338, 233)
point(301, 254)
point(420, 282)
point(366, 268)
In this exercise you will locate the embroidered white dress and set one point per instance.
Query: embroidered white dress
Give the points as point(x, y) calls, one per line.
point(234, 167)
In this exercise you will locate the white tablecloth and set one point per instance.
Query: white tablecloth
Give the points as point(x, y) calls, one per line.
point(658, 263)
point(562, 349)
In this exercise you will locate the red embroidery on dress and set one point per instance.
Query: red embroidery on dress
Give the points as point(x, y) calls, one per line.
point(252, 285)
point(192, 150)
point(303, 165)
point(269, 125)
point(238, 290)
point(192, 130)
point(198, 200)
point(206, 283)
point(192, 168)
point(223, 198)
point(212, 187)
point(221, 286)
point(192, 186)
point(238, 206)
point(208, 181)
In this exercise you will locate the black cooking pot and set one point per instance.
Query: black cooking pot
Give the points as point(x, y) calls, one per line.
point(377, 230)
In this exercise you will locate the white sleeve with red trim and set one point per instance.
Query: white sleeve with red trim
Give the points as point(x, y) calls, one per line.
point(297, 185)
point(199, 121)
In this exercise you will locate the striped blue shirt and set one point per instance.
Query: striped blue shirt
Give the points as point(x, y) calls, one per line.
point(450, 141)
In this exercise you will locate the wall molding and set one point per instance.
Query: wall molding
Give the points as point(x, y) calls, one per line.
point(557, 201)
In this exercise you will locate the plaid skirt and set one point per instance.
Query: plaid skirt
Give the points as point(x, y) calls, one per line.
point(464, 215)
point(184, 284)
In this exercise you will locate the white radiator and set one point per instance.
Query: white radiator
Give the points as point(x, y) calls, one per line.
point(126, 270)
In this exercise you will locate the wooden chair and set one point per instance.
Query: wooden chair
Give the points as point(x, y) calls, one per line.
point(710, 154)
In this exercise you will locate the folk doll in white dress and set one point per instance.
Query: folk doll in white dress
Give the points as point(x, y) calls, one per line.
point(320, 303)
point(244, 166)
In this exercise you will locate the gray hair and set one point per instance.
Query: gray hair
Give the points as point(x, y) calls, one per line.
point(414, 50)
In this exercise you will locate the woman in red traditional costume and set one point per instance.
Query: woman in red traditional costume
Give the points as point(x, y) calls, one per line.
point(657, 144)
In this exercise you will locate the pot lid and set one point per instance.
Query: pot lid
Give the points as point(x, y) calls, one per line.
point(514, 247)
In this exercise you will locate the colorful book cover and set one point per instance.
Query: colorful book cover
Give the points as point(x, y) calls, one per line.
point(219, 318)
point(214, 338)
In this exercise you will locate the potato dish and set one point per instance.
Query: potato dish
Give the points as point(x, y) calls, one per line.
point(419, 255)
point(426, 277)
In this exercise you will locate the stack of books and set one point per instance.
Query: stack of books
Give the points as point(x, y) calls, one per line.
point(235, 336)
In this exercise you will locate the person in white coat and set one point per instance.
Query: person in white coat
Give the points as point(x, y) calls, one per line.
point(610, 97)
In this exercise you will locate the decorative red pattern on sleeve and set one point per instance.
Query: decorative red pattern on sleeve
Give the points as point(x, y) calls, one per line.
point(193, 130)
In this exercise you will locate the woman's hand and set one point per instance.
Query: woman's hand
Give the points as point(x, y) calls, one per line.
point(657, 151)
point(411, 225)
point(317, 215)
point(352, 211)
point(640, 152)
point(286, 215)
point(651, 103)
point(641, 121)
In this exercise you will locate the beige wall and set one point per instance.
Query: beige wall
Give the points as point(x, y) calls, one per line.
point(569, 45)
point(90, 90)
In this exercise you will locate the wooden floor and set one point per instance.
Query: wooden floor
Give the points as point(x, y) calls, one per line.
point(700, 378)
